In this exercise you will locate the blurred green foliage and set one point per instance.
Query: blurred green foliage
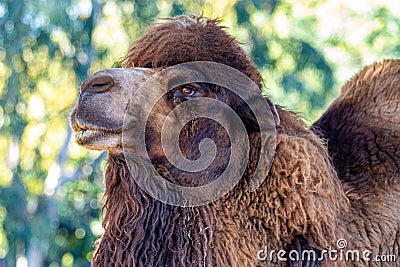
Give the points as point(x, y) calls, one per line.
point(50, 189)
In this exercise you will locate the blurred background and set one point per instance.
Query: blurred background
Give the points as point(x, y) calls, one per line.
point(51, 189)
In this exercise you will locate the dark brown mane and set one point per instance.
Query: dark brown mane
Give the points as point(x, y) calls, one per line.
point(146, 232)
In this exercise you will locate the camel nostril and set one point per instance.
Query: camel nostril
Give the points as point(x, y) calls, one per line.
point(98, 83)
point(100, 87)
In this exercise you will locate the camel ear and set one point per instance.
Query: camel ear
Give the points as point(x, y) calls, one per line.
point(275, 113)
point(245, 112)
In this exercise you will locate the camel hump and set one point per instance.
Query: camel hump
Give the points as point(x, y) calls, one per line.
point(362, 128)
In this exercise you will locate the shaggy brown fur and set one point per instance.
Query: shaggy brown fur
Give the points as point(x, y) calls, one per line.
point(301, 196)
point(363, 130)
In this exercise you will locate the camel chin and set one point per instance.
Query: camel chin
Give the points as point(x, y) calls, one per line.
point(96, 139)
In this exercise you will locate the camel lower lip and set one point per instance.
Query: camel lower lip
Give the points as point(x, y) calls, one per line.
point(86, 134)
point(98, 139)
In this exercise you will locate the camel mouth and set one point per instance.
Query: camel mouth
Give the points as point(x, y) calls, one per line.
point(97, 139)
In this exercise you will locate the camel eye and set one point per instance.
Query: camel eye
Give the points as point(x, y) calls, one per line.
point(188, 91)
point(185, 92)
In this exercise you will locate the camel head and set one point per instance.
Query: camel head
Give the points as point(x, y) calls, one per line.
point(100, 115)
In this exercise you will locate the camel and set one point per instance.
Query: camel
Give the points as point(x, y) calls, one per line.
point(325, 184)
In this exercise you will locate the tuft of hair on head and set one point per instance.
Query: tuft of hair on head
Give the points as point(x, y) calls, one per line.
point(187, 38)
